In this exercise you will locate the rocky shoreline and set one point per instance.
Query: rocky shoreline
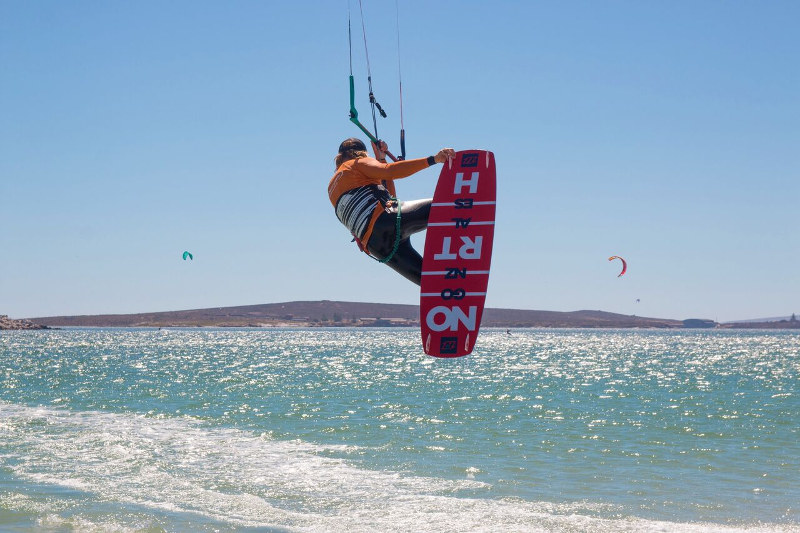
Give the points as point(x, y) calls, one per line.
point(11, 323)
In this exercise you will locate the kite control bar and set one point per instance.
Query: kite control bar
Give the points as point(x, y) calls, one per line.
point(354, 118)
point(372, 101)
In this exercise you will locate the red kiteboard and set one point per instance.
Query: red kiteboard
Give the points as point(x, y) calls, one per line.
point(458, 253)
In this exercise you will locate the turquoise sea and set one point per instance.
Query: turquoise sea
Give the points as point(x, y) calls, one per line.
point(327, 430)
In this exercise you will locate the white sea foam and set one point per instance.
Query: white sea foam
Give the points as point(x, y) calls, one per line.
point(238, 478)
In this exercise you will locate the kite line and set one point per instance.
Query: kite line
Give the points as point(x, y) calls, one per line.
point(374, 105)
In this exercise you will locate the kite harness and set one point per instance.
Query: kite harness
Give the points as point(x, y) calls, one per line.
point(397, 238)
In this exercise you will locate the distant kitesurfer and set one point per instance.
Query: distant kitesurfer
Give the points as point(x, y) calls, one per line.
point(363, 193)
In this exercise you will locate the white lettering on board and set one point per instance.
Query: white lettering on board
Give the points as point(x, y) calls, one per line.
point(469, 249)
point(446, 253)
point(451, 318)
point(461, 182)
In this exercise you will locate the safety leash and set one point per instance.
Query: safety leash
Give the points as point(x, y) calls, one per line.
point(396, 237)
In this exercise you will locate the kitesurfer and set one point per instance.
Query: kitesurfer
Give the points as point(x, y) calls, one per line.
point(363, 194)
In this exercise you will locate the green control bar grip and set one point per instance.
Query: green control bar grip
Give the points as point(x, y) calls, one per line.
point(354, 119)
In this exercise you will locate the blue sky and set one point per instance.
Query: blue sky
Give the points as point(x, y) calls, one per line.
point(663, 132)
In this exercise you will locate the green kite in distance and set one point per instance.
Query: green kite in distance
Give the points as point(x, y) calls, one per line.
point(187, 254)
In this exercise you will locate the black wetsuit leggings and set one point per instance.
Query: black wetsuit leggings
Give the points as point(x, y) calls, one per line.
point(413, 218)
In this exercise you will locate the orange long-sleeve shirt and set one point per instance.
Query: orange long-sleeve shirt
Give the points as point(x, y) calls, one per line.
point(366, 171)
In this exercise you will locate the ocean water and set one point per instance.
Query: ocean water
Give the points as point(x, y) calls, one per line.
point(318, 430)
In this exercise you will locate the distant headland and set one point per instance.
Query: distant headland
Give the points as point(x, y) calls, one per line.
point(327, 313)
point(10, 323)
